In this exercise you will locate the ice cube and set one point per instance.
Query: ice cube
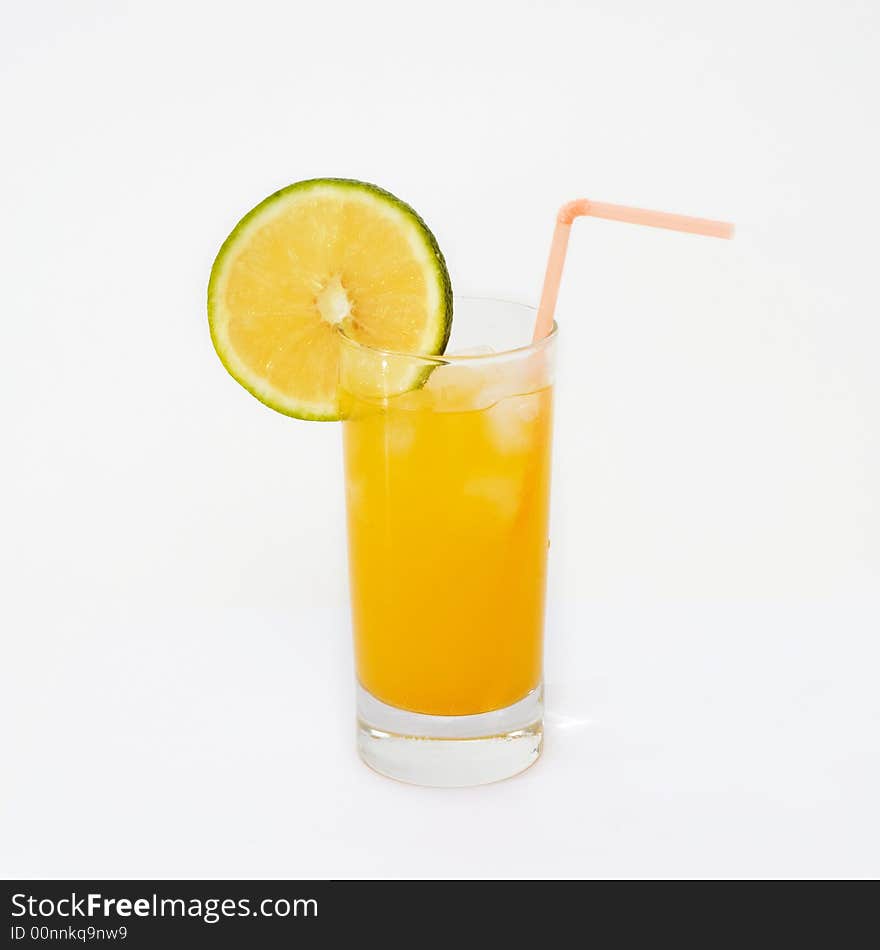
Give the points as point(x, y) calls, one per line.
point(400, 432)
point(469, 386)
point(500, 493)
point(457, 387)
point(412, 401)
point(512, 422)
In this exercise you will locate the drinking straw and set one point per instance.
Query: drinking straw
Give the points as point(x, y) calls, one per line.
point(600, 209)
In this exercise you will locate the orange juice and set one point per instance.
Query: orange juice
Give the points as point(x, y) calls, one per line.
point(447, 492)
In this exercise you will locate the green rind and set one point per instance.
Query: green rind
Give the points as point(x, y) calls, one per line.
point(445, 324)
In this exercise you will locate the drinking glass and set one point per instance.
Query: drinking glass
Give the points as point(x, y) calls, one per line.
point(447, 474)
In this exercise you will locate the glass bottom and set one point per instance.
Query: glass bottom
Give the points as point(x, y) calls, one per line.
point(450, 751)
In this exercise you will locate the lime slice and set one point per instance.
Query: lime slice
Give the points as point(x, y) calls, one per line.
point(315, 255)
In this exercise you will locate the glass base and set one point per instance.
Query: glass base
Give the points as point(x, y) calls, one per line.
point(450, 751)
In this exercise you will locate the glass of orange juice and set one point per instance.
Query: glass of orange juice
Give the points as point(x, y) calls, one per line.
point(447, 471)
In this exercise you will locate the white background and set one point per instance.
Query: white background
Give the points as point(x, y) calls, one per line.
point(176, 670)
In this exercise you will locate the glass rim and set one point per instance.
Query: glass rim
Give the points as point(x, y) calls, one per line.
point(442, 358)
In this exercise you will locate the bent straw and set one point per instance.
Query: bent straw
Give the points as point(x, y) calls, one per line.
point(599, 209)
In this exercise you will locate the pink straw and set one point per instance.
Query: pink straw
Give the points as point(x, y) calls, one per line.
point(598, 209)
